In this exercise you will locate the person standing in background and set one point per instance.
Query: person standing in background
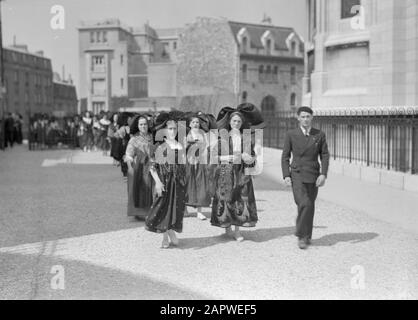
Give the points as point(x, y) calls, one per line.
point(9, 130)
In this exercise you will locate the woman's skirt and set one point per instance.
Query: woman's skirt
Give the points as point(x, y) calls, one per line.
point(167, 211)
point(234, 200)
point(140, 188)
point(198, 187)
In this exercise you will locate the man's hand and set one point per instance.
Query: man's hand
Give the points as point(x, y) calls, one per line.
point(288, 181)
point(320, 182)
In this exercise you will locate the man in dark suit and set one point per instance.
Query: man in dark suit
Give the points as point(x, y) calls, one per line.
point(306, 145)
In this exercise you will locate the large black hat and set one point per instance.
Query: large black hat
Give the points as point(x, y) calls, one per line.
point(164, 116)
point(207, 121)
point(251, 115)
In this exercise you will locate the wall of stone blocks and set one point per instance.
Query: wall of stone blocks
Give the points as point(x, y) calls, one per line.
point(208, 66)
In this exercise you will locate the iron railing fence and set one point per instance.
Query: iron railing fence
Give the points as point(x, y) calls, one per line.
point(375, 137)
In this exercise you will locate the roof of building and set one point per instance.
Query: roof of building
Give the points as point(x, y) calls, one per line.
point(21, 48)
point(256, 31)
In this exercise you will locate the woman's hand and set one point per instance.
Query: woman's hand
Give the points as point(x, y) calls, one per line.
point(247, 158)
point(159, 189)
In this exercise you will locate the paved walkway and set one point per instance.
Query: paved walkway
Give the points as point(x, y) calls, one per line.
point(71, 217)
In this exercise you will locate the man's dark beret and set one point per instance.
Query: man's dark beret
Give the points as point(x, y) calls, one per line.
point(304, 109)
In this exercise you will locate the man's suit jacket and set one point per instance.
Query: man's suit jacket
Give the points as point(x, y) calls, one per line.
point(305, 152)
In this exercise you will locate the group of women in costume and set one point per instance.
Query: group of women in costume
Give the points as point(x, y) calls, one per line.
point(167, 174)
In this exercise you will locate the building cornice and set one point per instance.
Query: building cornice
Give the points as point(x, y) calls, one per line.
point(270, 57)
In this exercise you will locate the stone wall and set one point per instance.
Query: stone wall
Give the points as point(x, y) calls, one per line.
point(208, 66)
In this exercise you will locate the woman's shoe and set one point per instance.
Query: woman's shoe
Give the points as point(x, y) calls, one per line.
point(166, 242)
point(228, 232)
point(173, 237)
point(238, 236)
point(201, 216)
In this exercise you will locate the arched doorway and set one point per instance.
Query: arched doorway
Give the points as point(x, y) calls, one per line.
point(268, 105)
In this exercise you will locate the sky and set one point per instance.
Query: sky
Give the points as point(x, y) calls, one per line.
point(28, 21)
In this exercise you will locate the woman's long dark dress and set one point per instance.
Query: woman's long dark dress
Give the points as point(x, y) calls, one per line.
point(140, 182)
point(167, 211)
point(198, 183)
point(234, 200)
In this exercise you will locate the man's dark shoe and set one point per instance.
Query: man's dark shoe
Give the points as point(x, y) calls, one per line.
point(308, 241)
point(302, 244)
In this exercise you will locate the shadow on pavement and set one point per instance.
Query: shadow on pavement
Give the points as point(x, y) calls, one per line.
point(29, 277)
point(333, 239)
point(255, 235)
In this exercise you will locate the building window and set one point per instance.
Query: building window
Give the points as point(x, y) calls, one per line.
point(98, 36)
point(121, 83)
point(16, 76)
point(268, 46)
point(244, 96)
point(97, 64)
point(268, 73)
point(91, 37)
point(174, 45)
point(121, 59)
point(261, 73)
point(293, 48)
point(98, 87)
point(104, 36)
point(347, 10)
point(244, 44)
point(293, 75)
point(276, 74)
point(293, 99)
point(164, 54)
point(244, 72)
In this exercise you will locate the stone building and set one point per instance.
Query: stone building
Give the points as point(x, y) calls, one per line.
point(361, 53)
point(125, 64)
point(222, 62)
point(31, 87)
point(28, 81)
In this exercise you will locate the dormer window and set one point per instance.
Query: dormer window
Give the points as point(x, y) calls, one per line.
point(268, 46)
point(243, 40)
point(268, 41)
point(244, 44)
point(293, 48)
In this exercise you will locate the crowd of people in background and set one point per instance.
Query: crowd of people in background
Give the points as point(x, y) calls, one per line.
point(87, 131)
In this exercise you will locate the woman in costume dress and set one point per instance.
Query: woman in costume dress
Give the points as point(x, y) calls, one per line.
point(88, 132)
point(234, 201)
point(138, 159)
point(104, 127)
point(113, 127)
point(169, 173)
point(197, 168)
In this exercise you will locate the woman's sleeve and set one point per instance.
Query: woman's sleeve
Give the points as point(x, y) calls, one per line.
point(130, 151)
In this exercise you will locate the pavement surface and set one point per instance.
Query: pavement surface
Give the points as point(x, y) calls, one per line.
point(64, 234)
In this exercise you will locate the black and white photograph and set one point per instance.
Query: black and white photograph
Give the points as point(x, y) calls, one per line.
point(188, 151)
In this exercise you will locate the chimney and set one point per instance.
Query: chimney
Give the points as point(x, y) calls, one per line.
point(266, 20)
point(40, 53)
point(63, 72)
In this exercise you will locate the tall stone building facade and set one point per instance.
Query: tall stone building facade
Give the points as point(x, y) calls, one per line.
point(361, 53)
point(222, 62)
point(121, 63)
